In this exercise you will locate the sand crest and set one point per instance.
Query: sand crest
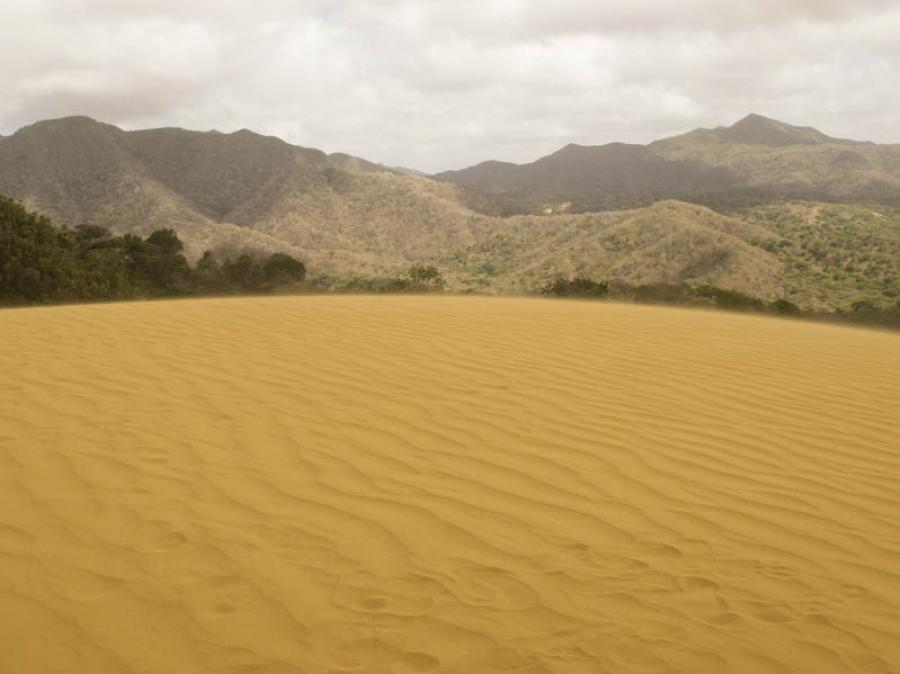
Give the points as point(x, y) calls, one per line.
point(376, 484)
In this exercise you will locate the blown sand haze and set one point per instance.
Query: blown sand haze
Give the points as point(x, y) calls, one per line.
point(359, 484)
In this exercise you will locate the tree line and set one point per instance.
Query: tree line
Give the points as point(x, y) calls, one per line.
point(42, 263)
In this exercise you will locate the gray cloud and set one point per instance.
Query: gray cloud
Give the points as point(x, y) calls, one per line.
point(445, 83)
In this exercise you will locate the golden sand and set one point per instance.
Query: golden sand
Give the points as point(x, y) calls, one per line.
point(320, 484)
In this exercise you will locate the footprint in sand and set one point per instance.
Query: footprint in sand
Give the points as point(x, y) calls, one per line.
point(816, 605)
point(407, 596)
point(234, 598)
point(701, 596)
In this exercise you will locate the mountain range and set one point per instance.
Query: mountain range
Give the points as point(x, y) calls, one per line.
point(757, 156)
point(344, 215)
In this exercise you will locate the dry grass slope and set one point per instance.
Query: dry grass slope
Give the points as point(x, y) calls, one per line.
point(445, 485)
point(671, 242)
point(242, 191)
point(346, 217)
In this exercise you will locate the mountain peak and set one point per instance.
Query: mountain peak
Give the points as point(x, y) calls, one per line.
point(74, 124)
point(755, 129)
point(759, 123)
point(71, 121)
point(754, 118)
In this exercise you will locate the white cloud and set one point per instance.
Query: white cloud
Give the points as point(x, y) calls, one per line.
point(445, 83)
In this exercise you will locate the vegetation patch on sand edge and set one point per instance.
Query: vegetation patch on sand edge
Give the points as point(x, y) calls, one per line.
point(43, 264)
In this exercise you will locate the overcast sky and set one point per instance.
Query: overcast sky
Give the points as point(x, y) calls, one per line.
point(436, 84)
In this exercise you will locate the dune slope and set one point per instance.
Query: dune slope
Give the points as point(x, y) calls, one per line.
point(347, 484)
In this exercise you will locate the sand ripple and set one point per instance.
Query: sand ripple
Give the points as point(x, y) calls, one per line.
point(286, 485)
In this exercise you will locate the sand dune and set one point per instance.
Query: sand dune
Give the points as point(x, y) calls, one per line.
point(402, 485)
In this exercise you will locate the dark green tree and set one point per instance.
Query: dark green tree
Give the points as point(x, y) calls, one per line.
point(784, 307)
point(88, 237)
point(208, 275)
point(729, 299)
point(165, 241)
point(37, 263)
point(576, 287)
point(158, 262)
point(243, 273)
point(425, 277)
point(282, 269)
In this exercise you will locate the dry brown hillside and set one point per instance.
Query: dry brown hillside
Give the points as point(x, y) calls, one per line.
point(238, 191)
point(77, 170)
point(670, 241)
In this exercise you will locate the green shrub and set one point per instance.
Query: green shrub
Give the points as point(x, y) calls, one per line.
point(576, 287)
point(243, 273)
point(729, 299)
point(784, 307)
point(425, 278)
point(281, 269)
